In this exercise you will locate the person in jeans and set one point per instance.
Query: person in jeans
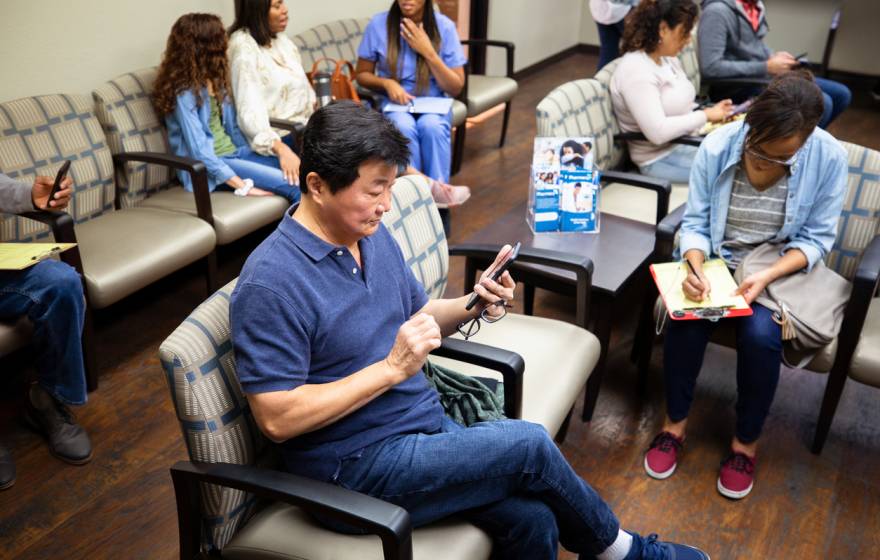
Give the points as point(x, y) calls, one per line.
point(650, 92)
point(609, 17)
point(731, 45)
point(774, 178)
point(192, 93)
point(50, 295)
point(410, 51)
point(331, 331)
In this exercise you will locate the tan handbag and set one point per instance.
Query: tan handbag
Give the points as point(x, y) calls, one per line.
point(808, 305)
point(341, 84)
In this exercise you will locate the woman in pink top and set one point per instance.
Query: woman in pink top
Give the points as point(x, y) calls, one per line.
point(651, 93)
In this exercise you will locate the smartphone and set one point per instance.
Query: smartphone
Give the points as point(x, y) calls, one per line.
point(495, 273)
point(56, 186)
point(742, 107)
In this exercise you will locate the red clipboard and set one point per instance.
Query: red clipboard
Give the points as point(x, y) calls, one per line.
point(691, 313)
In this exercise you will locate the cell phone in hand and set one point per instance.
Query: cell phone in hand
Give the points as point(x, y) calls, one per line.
point(495, 273)
point(56, 186)
point(742, 107)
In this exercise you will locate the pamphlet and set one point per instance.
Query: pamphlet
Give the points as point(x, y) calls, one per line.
point(564, 186)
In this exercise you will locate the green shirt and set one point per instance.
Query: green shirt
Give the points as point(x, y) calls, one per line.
point(223, 145)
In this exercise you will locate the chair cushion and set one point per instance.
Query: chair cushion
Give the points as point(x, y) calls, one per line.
point(286, 532)
point(637, 203)
point(234, 216)
point(459, 112)
point(14, 335)
point(124, 251)
point(125, 111)
point(559, 358)
point(420, 235)
point(866, 360)
point(484, 92)
point(36, 135)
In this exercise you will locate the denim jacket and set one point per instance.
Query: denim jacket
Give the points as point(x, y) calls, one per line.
point(816, 190)
point(190, 136)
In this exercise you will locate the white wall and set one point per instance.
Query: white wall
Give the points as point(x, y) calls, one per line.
point(539, 29)
point(72, 46)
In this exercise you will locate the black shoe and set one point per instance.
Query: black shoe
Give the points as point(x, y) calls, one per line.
point(7, 469)
point(67, 440)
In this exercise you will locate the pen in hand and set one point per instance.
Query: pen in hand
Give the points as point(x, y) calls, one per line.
point(704, 292)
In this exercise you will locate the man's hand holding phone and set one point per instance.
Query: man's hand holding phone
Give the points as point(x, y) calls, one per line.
point(496, 283)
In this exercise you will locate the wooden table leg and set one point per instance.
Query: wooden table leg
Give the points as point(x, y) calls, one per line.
point(603, 322)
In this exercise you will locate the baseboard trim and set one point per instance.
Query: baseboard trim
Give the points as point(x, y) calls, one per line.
point(574, 49)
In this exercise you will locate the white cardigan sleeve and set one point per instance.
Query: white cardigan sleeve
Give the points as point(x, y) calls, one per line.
point(642, 98)
point(253, 114)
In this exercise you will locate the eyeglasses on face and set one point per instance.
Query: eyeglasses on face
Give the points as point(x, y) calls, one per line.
point(758, 155)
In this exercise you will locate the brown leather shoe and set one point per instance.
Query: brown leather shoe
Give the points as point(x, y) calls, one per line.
point(7, 468)
point(67, 439)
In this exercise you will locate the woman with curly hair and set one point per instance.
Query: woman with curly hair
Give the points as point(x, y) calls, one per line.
point(409, 51)
point(650, 92)
point(192, 92)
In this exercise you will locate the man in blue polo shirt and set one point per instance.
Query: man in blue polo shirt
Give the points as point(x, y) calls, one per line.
point(331, 330)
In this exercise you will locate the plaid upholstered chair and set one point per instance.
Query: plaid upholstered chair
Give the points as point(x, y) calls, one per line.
point(583, 108)
point(137, 139)
point(245, 509)
point(339, 40)
point(122, 250)
point(855, 256)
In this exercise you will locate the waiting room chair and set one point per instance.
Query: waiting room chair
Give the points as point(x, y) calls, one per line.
point(122, 250)
point(232, 500)
point(485, 92)
point(138, 141)
point(583, 108)
point(855, 256)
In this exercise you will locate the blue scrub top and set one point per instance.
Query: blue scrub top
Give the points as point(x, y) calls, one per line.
point(374, 48)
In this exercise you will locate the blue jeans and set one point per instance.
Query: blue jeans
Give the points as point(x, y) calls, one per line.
point(674, 166)
point(264, 171)
point(837, 98)
point(758, 357)
point(429, 141)
point(506, 477)
point(50, 294)
point(609, 42)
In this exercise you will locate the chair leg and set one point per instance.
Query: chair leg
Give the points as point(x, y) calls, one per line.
point(458, 147)
point(211, 272)
point(504, 124)
point(529, 299)
point(89, 352)
point(833, 390)
point(445, 219)
point(563, 429)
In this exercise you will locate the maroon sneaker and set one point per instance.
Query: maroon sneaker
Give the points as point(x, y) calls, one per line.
point(737, 476)
point(662, 455)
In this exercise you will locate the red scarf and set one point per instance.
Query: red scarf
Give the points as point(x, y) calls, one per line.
point(753, 12)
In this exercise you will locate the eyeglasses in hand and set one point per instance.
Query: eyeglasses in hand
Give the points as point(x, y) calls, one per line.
point(470, 328)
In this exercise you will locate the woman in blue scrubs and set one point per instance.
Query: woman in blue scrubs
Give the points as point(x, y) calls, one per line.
point(412, 51)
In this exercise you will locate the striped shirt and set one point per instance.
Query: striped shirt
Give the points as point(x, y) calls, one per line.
point(754, 217)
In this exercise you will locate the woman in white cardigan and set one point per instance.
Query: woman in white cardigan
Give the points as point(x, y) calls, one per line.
point(651, 93)
point(268, 80)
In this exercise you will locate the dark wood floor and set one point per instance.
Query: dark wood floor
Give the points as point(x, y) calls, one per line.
point(803, 506)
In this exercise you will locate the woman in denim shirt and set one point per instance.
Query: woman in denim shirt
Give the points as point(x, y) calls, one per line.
point(775, 178)
point(192, 92)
